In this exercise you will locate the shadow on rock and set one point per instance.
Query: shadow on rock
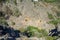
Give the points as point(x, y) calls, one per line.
point(10, 32)
point(54, 32)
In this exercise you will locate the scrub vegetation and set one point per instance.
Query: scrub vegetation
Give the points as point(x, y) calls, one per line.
point(34, 31)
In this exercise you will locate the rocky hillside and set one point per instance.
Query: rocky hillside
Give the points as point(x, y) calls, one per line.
point(22, 14)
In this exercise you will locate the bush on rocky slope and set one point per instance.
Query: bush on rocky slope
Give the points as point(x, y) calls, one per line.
point(33, 31)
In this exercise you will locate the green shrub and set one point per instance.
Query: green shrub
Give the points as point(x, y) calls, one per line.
point(44, 32)
point(49, 38)
point(50, 16)
point(50, 1)
point(54, 22)
point(34, 31)
point(15, 2)
point(58, 20)
point(16, 14)
point(58, 13)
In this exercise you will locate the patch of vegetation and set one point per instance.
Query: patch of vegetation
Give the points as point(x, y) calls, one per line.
point(3, 21)
point(17, 13)
point(21, 0)
point(58, 20)
point(33, 31)
point(15, 2)
point(1, 14)
point(54, 22)
point(50, 16)
point(58, 13)
point(50, 1)
point(13, 23)
point(58, 6)
point(51, 38)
